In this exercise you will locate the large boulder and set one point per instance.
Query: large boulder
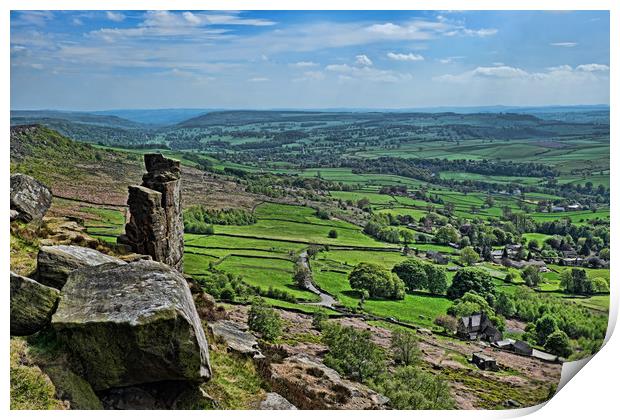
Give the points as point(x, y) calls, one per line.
point(236, 338)
point(310, 385)
point(132, 324)
point(55, 263)
point(30, 199)
point(32, 305)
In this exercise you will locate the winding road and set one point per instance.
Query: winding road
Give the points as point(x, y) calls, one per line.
point(327, 300)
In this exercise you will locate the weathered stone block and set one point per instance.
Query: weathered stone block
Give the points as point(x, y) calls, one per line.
point(132, 324)
point(32, 305)
point(30, 199)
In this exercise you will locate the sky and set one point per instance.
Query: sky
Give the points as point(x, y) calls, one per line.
point(94, 60)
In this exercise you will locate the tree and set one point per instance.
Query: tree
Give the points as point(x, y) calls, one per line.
point(410, 388)
point(412, 272)
point(447, 322)
point(333, 233)
point(377, 281)
point(301, 275)
point(558, 343)
point(504, 305)
point(531, 275)
point(470, 279)
point(264, 320)
point(405, 347)
point(469, 256)
point(544, 327)
point(447, 234)
point(352, 353)
point(436, 279)
point(510, 277)
point(533, 244)
point(600, 285)
point(604, 254)
point(407, 236)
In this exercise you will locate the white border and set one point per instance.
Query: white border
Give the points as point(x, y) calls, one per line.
point(591, 395)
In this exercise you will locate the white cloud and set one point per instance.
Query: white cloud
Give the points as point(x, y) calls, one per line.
point(32, 18)
point(448, 60)
point(304, 64)
point(115, 16)
point(363, 60)
point(310, 76)
point(77, 22)
point(258, 79)
point(592, 67)
point(347, 73)
point(404, 57)
point(564, 44)
point(583, 72)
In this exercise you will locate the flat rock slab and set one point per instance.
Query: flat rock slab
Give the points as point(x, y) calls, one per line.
point(30, 199)
point(132, 324)
point(236, 338)
point(276, 402)
point(32, 305)
point(55, 263)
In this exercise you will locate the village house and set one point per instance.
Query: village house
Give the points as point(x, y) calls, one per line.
point(478, 327)
point(515, 346)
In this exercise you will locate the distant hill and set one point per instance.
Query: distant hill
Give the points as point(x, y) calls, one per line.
point(158, 117)
point(31, 117)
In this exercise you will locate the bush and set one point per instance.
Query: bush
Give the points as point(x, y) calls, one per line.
point(410, 388)
point(333, 234)
point(470, 280)
point(405, 347)
point(447, 322)
point(352, 353)
point(264, 320)
point(379, 282)
point(319, 318)
point(199, 219)
point(545, 326)
point(418, 275)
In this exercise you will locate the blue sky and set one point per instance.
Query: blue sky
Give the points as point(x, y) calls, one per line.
point(88, 60)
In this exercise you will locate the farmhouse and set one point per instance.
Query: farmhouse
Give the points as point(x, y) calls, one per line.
point(478, 327)
point(516, 346)
point(557, 209)
point(484, 361)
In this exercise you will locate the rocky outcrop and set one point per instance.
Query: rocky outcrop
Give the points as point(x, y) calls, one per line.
point(32, 305)
point(55, 263)
point(309, 385)
point(155, 227)
point(236, 338)
point(30, 199)
point(132, 324)
point(275, 401)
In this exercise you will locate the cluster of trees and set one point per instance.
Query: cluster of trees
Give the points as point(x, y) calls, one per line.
point(380, 226)
point(376, 282)
point(420, 275)
point(199, 219)
point(353, 354)
point(471, 280)
point(577, 281)
point(472, 303)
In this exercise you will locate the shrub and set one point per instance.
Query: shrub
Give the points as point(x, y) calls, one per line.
point(531, 276)
point(264, 320)
point(447, 322)
point(405, 347)
point(352, 353)
point(333, 233)
point(410, 388)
